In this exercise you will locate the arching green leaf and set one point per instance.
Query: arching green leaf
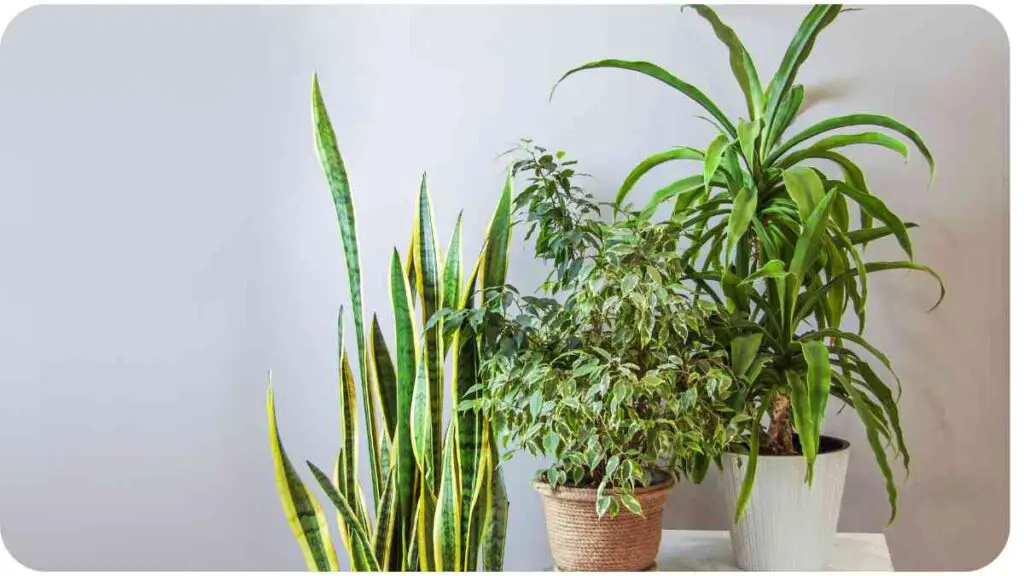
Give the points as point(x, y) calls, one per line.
point(661, 74)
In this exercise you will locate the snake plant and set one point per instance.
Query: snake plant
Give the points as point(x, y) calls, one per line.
point(438, 496)
point(771, 238)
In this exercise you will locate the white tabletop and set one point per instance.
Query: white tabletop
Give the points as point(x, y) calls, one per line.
point(710, 550)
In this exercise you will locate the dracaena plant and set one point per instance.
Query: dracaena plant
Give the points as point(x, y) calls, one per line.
point(617, 379)
point(766, 217)
point(437, 495)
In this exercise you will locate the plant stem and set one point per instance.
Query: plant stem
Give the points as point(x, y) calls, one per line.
point(780, 431)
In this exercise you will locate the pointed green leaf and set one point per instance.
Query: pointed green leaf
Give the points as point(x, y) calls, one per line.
point(384, 533)
point(871, 431)
point(739, 60)
point(874, 206)
point(840, 141)
point(747, 133)
point(788, 110)
point(817, 19)
point(819, 377)
point(747, 487)
point(713, 158)
point(677, 153)
point(361, 548)
point(809, 242)
point(430, 289)
point(305, 517)
point(453, 276)
point(495, 518)
point(686, 189)
point(856, 120)
point(383, 368)
point(743, 208)
point(447, 518)
point(661, 74)
point(805, 188)
point(422, 430)
point(744, 350)
point(771, 269)
point(407, 359)
point(337, 179)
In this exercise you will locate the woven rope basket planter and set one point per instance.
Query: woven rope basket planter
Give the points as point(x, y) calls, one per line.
point(582, 542)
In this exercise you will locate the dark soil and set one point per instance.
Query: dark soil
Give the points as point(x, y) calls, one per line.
point(825, 445)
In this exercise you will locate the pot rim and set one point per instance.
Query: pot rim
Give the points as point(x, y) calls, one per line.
point(590, 494)
point(844, 446)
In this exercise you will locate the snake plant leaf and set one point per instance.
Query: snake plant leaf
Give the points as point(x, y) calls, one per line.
point(881, 391)
point(840, 141)
point(407, 353)
point(871, 430)
point(743, 208)
point(739, 60)
point(743, 351)
point(384, 375)
point(659, 73)
point(470, 432)
point(799, 49)
point(337, 179)
point(649, 163)
point(453, 277)
point(425, 510)
point(447, 519)
point(384, 534)
point(494, 260)
point(422, 429)
point(410, 266)
point(430, 288)
point(305, 517)
point(747, 486)
point(856, 120)
point(809, 243)
point(788, 110)
point(480, 487)
point(346, 474)
point(364, 560)
point(713, 158)
point(686, 189)
point(805, 188)
point(874, 206)
point(495, 520)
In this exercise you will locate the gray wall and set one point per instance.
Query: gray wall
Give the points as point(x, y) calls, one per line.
point(166, 238)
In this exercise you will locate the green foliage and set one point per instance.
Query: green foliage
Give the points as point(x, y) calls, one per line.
point(769, 232)
point(426, 478)
point(617, 378)
point(559, 213)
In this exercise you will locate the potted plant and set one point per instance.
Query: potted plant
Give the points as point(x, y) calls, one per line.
point(619, 384)
point(437, 495)
point(767, 219)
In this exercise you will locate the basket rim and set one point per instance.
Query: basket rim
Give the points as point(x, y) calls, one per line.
point(590, 494)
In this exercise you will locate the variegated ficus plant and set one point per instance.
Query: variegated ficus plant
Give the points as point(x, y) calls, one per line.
point(438, 498)
point(767, 220)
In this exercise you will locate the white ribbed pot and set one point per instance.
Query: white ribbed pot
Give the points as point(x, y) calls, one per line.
point(787, 525)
